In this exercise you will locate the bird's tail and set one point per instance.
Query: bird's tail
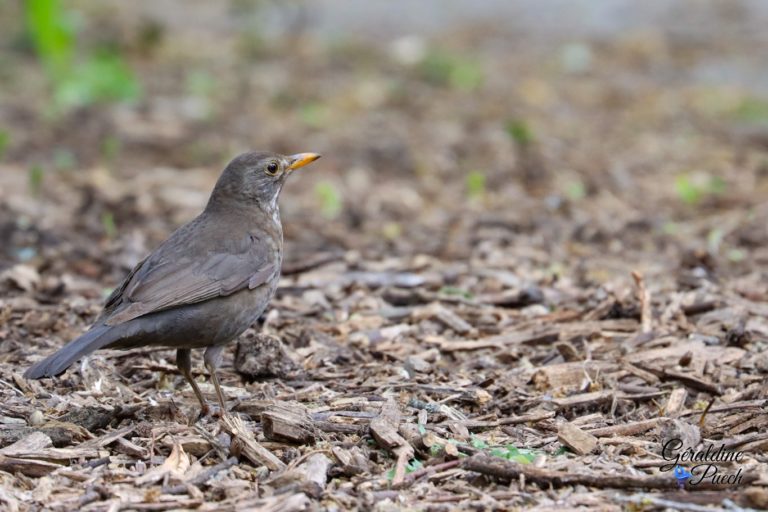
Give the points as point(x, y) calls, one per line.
point(97, 337)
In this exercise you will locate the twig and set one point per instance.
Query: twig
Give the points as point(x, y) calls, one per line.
point(251, 448)
point(643, 500)
point(644, 296)
point(706, 410)
point(426, 471)
point(202, 477)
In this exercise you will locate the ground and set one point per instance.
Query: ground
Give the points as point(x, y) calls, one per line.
point(526, 262)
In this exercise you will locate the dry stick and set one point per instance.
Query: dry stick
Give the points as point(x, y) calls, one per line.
point(426, 471)
point(202, 477)
point(704, 414)
point(251, 448)
point(404, 453)
point(509, 471)
point(644, 296)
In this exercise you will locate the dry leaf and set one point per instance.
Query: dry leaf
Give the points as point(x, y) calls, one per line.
point(175, 466)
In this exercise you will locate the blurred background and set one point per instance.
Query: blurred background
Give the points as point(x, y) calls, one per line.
point(553, 137)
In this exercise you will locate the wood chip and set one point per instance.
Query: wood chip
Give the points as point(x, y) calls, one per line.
point(577, 440)
point(244, 443)
point(288, 421)
point(675, 402)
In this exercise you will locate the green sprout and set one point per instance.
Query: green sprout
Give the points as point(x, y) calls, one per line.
point(519, 131)
point(576, 191)
point(455, 291)
point(413, 465)
point(314, 114)
point(475, 185)
point(329, 198)
point(511, 452)
point(692, 192)
point(63, 159)
point(99, 76)
point(5, 139)
point(35, 176)
point(108, 223)
point(453, 71)
point(110, 148)
point(752, 110)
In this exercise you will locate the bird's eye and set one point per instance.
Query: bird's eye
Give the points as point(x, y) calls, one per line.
point(272, 168)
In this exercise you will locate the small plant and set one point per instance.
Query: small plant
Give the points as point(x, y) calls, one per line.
point(108, 223)
point(329, 198)
point(692, 191)
point(5, 139)
point(413, 465)
point(452, 290)
point(476, 185)
point(35, 176)
point(110, 149)
point(63, 159)
point(314, 114)
point(392, 230)
point(576, 191)
point(752, 110)
point(453, 71)
point(99, 76)
point(478, 443)
point(511, 452)
point(519, 131)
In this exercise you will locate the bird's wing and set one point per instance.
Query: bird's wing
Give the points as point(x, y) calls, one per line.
point(170, 278)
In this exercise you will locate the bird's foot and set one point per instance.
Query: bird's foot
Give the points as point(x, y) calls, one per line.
point(214, 412)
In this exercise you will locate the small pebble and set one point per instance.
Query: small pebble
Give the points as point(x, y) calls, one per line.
point(36, 418)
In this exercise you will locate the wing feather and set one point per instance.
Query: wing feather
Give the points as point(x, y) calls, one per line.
point(161, 282)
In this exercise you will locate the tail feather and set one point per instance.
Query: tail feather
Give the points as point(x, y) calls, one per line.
point(97, 337)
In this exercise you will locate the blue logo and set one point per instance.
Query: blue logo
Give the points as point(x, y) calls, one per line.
point(682, 475)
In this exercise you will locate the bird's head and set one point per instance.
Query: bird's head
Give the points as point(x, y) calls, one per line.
point(257, 178)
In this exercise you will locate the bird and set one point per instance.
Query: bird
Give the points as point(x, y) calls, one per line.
point(206, 283)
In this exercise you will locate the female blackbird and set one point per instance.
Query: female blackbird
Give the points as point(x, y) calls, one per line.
point(207, 283)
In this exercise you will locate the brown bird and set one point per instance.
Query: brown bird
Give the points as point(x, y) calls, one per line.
point(207, 283)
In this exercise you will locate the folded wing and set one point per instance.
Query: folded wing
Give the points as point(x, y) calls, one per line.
point(168, 279)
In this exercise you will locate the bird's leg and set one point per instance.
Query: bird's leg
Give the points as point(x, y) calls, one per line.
point(212, 360)
point(184, 363)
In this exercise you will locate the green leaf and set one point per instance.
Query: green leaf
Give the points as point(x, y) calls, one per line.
point(686, 190)
point(108, 223)
point(457, 72)
point(63, 159)
point(453, 290)
point(475, 185)
point(5, 139)
point(329, 198)
point(576, 191)
point(752, 110)
point(478, 443)
point(110, 148)
point(52, 35)
point(35, 176)
point(519, 131)
point(314, 114)
point(413, 465)
point(102, 78)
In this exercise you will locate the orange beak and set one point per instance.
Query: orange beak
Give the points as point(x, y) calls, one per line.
point(301, 159)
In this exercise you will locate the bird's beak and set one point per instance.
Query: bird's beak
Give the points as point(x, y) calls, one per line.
point(300, 160)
